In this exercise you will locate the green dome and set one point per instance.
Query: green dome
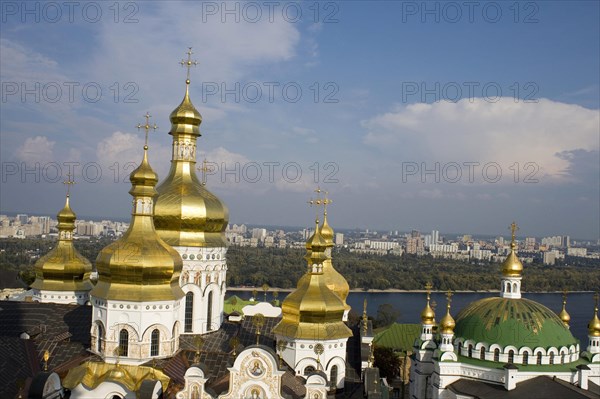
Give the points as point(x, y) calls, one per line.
point(517, 322)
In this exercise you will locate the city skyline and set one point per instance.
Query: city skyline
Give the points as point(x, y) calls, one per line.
point(395, 146)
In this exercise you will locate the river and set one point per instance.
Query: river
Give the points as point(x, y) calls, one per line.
point(579, 305)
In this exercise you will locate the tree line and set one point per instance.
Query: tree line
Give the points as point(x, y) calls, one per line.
point(283, 267)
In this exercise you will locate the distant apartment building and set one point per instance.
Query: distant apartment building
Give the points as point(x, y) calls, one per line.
point(384, 245)
point(573, 251)
point(555, 241)
point(339, 239)
point(529, 244)
point(259, 234)
point(550, 257)
point(415, 246)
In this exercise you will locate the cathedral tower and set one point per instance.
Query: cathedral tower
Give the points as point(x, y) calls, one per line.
point(137, 300)
point(193, 220)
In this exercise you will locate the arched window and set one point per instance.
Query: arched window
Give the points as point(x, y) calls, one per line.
point(459, 348)
point(123, 343)
point(470, 350)
point(539, 358)
point(189, 311)
point(154, 342)
point(508, 287)
point(334, 376)
point(525, 358)
point(482, 353)
point(496, 355)
point(99, 338)
point(551, 358)
point(308, 370)
point(562, 358)
point(511, 356)
point(514, 287)
point(209, 312)
point(195, 392)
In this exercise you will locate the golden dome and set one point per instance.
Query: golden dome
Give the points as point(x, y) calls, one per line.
point(139, 266)
point(447, 323)
point(313, 311)
point(564, 315)
point(428, 315)
point(594, 324)
point(512, 266)
point(66, 217)
point(63, 268)
point(186, 213)
point(186, 118)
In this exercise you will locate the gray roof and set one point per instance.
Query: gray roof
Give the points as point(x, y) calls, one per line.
point(542, 387)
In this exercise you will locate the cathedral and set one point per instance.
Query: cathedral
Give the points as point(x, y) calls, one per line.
point(153, 324)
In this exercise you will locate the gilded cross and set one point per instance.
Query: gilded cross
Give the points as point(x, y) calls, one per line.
point(69, 182)
point(449, 298)
point(513, 230)
point(188, 64)
point(147, 128)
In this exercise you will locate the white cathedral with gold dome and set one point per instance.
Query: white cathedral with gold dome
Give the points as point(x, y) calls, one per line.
point(153, 324)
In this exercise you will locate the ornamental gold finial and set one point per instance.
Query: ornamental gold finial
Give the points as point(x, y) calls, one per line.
point(365, 308)
point(198, 341)
point(596, 297)
point(428, 288)
point(69, 182)
point(46, 358)
point(449, 298)
point(204, 169)
point(147, 128)
point(188, 64)
point(513, 230)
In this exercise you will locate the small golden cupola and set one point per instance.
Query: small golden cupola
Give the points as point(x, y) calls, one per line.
point(187, 214)
point(446, 329)
point(512, 270)
point(447, 323)
point(313, 311)
point(63, 274)
point(512, 266)
point(594, 324)
point(565, 317)
point(139, 266)
point(428, 315)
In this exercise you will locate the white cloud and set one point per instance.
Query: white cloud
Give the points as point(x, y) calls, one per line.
point(504, 132)
point(36, 149)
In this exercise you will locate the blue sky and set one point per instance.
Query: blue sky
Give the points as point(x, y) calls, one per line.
point(455, 119)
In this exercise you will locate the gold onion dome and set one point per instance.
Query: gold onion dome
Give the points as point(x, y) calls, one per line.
point(447, 323)
point(313, 311)
point(428, 315)
point(139, 266)
point(564, 315)
point(594, 324)
point(63, 268)
point(512, 266)
point(186, 213)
